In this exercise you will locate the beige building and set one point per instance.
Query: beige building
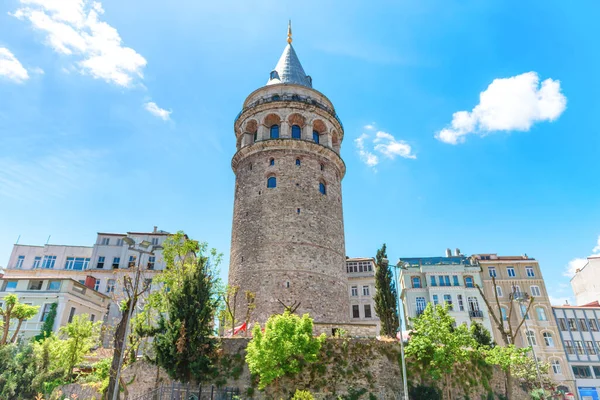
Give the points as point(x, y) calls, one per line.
point(361, 289)
point(522, 274)
point(586, 282)
point(72, 298)
point(448, 280)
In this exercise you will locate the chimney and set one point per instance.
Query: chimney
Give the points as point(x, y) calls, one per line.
point(457, 252)
point(90, 282)
point(155, 228)
point(448, 253)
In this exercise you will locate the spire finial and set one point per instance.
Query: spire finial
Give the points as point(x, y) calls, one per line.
point(289, 39)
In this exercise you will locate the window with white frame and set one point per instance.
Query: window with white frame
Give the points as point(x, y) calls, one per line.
point(110, 286)
point(151, 261)
point(461, 305)
point(20, 261)
point(105, 241)
point(97, 285)
point(504, 314)
point(535, 291)
point(354, 291)
point(132, 260)
point(510, 271)
point(548, 339)
point(367, 311)
point(541, 314)
point(492, 272)
point(517, 290)
point(524, 312)
point(54, 285)
point(531, 338)
point(499, 291)
point(77, 263)
point(448, 300)
point(120, 242)
point(9, 286)
point(473, 304)
point(421, 304)
point(562, 324)
point(569, 347)
point(49, 262)
point(530, 272)
point(589, 347)
point(556, 368)
point(435, 300)
point(37, 261)
point(583, 325)
point(45, 312)
point(365, 290)
point(572, 324)
point(593, 325)
point(35, 284)
point(116, 262)
point(416, 282)
point(155, 241)
point(579, 347)
point(355, 311)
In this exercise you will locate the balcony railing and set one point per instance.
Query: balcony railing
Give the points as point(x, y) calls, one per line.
point(294, 97)
point(475, 313)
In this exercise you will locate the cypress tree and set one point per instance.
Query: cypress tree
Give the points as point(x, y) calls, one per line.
point(385, 295)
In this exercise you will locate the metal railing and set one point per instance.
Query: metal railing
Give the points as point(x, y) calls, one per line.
point(475, 313)
point(293, 97)
point(181, 391)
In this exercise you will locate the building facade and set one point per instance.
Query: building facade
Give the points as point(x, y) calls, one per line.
point(586, 282)
point(443, 280)
point(579, 328)
point(108, 261)
point(287, 243)
point(361, 290)
point(522, 275)
point(71, 297)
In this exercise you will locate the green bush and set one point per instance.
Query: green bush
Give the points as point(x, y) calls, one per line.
point(302, 395)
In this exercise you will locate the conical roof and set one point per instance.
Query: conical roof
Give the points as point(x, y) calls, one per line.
point(289, 69)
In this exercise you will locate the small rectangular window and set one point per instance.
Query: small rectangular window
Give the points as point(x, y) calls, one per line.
point(132, 260)
point(455, 279)
point(530, 272)
point(49, 262)
point(461, 305)
point(92, 317)
point(492, 272)
point(71, 314)
point(355, 311)
point(448, 300)
point(110, 286)
point(572, 324)
point(367, 311)
point(365, 290)
point(583, 325)
point(100, 263)
point(593, 325)
point(9, 286)
point(535, 291)
point(562, 324)
point(37, 262)
point(155, 241)
point(416, 282)
point(20, 261)
point(582, 372)
point(510, 271)
point(354, 291)
point(45, 312)
point(116, 262)
point(54, 285)
point(97, 285)
point(151, 261)
point(435, 299)
point(120, 242)
point(433, 283)
point(105, 241)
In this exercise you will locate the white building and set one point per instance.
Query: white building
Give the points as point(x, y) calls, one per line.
point(579, 328)
point(107, 262)
point(440, 280)
point(361, 289)
point(586, 282)
point(71, 298)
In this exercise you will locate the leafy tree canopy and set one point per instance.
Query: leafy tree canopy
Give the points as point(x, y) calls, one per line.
point(385, 295)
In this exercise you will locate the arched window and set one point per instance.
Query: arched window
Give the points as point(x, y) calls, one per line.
point(271, 182)
point(296, 132)
point(556, 368)
point(272, 161)
point(541, 314)
point(499, 291)
point(297, 161)
point(548, 339)
point(531, 338)
point(316, 137)
point(275, 132)
point(322, 188)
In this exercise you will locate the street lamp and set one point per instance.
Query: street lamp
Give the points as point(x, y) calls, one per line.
point(140, 249)
point(521, 298)
point(385, 262)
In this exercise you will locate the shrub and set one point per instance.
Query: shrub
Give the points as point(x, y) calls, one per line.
point(302, 395)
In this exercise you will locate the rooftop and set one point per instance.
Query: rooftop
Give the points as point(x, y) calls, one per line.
point(288, 69)
point(593, 304)
point(420, 261)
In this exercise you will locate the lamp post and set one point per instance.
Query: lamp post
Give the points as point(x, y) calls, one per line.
point(399, 305)
point(521, 298)
point(140, 249)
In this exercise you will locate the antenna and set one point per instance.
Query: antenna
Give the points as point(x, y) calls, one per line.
point(19, 238)
point(48, 239)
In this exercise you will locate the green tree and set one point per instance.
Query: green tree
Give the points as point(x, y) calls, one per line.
point(80, 336)
point(48, 325)
point(385, 295)
point(184, 344)
point(437, 346)
point(17, 372)
point(481, 335)
point(13, 309)
point(285, 345)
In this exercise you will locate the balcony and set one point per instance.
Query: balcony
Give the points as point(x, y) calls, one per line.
point(476, 314)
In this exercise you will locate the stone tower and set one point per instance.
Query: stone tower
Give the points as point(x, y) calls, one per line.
point(287, 239)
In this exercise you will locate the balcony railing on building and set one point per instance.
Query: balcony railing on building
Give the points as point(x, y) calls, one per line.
point(475, 313)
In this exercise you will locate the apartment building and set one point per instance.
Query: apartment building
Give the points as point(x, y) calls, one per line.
point(71, 297)
point(586, 282)
point(108, 261)
point(579, 328)
point(443, 280)
point(361, 290)
point(520, 275)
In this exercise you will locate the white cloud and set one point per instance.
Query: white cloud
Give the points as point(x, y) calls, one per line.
point(370, 127)
point(508, 104)
point(561, 300)
point(578, 263)
point(155, 110)
point(366, 156)
point(11, 68)
point(390, 147)
point(37, 71)
point(74, 28)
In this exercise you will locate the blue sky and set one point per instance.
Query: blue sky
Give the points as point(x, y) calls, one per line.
point(118, 116)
